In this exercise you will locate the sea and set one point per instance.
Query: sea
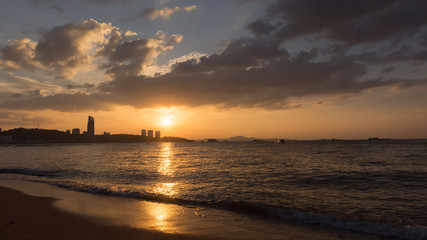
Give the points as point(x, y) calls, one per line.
point(376, 187)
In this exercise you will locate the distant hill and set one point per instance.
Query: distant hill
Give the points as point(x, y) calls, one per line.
point(241, 139)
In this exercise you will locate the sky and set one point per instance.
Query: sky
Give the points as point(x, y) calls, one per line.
point(303, 69)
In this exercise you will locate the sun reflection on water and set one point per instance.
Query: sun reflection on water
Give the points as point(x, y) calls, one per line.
point(165, 189)
point(165, 160)
point(165, 186)
point(161, 213)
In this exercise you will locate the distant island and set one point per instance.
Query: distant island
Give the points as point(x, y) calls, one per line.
point(243, 139)
point(43, 136)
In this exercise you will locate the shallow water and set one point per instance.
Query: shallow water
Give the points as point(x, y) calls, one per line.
point(367, 186)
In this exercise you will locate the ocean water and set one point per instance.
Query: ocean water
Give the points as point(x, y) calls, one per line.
point(374, 187)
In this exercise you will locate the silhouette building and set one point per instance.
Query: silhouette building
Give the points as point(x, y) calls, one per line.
point(150, 133)
point(76, 131)
point(143, 133)
point(157, 134)
point(90, 126)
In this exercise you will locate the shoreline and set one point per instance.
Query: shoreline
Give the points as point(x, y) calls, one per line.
point(30, 210)
point(30, 217)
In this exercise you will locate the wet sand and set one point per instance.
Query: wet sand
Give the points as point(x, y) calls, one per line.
point(29, 217)
point(30, 210)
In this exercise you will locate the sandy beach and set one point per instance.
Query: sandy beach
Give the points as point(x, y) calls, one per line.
point(28, 217)
point(27, 213)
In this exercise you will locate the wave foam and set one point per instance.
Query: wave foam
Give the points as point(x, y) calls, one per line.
point(401, 232)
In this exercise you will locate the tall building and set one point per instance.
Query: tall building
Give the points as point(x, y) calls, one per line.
point(150, 133)
point(157, 134)
point(143, 133)
point(90, 126)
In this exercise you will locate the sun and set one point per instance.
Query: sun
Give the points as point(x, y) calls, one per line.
point(166, 121)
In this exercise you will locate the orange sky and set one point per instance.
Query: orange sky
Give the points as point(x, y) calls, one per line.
point(267, 69)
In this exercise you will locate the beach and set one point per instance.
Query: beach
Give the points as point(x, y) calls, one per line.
point(29, 217)
point(26, 213)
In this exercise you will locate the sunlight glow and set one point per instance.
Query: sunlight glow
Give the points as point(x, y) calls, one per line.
point(166, 121)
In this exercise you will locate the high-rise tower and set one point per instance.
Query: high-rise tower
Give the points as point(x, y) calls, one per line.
point(150, 133)
point(90, 126)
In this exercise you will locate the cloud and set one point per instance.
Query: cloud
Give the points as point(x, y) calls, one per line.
point(351, 22)
point(251, 72)
point(61, 51)
point(261, 27)
point(247, 73)
point(165, 13)
point(18, 84)
point(80, 86)
point(65, 49)
point(131, 57)
point(61, 102)
point(12, 117)
point(388, 69)
point(19, 53)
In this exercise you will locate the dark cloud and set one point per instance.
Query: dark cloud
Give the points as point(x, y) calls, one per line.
point(261, 27)
point(241, 53)
point(252, 72)
point(80, 86)
point(12, 117)
point(402, 84)
point(19, 53)
point(352, 21)
point(64, 49)
point(246, 74)
point(61, 102)
point(388, 69)
point(130, 57)
point(61, 51)
point(249, 72)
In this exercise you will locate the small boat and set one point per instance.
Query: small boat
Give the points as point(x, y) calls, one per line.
point(280, 141)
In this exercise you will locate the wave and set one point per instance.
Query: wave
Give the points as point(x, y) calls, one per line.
point(274, 212)
point(30, 172)
point(43, 173)
point(326, 220)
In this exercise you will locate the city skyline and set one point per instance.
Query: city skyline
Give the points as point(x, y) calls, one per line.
point(91, 130)
point(265, 69)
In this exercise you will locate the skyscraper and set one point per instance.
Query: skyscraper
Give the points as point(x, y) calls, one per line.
point(143, 133)
point(150, 133)
point(157, 134)
point(90, 126)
